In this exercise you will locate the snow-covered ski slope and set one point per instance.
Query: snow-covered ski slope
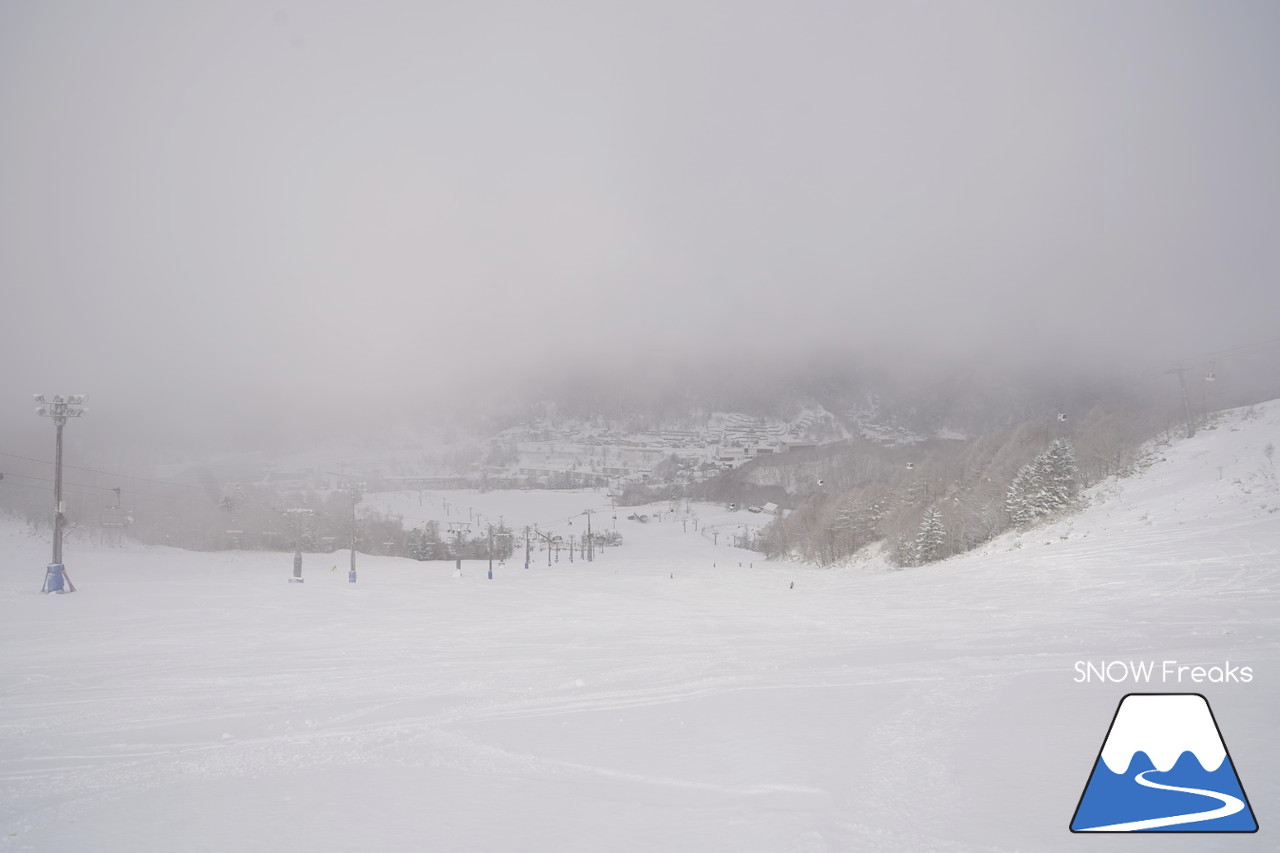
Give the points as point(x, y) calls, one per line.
point(199, 702)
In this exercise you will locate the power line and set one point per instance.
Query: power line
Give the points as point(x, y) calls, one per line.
point(137, 498)
point(1158, 372)
point(48, 480)
point(24, 485)
point(105, 473)
point(145, 496)
point(557, 520)
point(1256, 345)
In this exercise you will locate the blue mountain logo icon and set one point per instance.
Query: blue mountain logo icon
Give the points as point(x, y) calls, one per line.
point(1163, 768)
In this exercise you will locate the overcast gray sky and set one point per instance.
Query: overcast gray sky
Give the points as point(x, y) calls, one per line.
point(243, 208)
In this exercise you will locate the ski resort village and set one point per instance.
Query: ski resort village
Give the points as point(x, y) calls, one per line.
point(554, 453)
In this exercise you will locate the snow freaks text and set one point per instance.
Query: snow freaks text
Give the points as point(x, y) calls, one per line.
point(1166, 672)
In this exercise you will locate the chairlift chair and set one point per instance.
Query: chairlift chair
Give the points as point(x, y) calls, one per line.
point(113, 516)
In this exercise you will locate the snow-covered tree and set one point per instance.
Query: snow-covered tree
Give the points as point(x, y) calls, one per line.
point(857, 516)
point(1061, 474)
point(1048, 483)
point(931, 537)
point(423, 544)
point(1022, 499)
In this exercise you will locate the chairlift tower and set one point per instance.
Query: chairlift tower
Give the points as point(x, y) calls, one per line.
point(459, 529)
point(491, 535)
point(546, 537)
point(591, 548)
point(1210, 377)
point(1186, 401)
point(114, 519)
point(59, 409)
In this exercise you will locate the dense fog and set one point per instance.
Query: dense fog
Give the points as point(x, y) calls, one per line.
point(244, 225)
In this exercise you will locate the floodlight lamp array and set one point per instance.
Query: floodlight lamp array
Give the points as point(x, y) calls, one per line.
point(60, 408)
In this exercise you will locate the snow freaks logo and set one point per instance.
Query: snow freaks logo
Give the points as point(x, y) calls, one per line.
point(1163, 768)
point(1167, 671)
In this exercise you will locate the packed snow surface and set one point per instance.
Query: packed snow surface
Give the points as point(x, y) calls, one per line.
point(676, 694)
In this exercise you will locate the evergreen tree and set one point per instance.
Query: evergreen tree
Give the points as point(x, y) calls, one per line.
point(1021, 499)
point(931, 538)
point(422, 543)
point(1048, 483)
point(1061, 474)
point(902, 551)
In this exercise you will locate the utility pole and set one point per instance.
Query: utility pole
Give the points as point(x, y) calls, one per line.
point(526, 546)
point(591, 545)
point(1186, 402)
point(59, 410)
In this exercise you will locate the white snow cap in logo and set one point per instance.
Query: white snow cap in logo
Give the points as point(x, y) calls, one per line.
point(1163, 726)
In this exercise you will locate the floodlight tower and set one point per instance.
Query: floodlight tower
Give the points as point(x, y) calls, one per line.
point(355, 490)
point(296, 514)
point(59, 409)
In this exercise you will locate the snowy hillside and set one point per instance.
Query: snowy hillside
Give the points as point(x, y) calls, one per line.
point(675, 694)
